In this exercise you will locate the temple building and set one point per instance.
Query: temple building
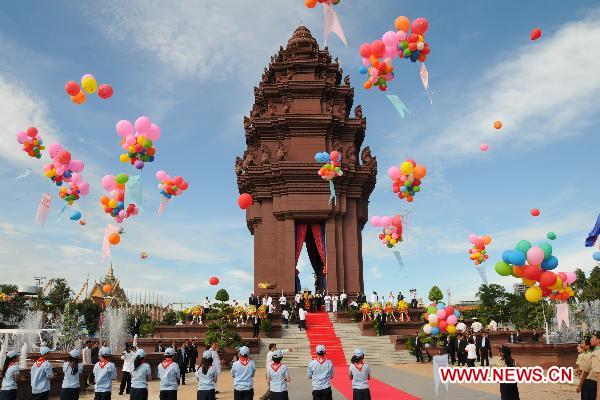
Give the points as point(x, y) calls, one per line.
point(108, 292)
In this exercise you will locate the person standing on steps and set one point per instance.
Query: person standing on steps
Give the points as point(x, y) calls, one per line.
point(418, 351)
point(302, 318)
point(360, 374)
point(285, 316)
point(139, 377)
point(10, 370)
point(334, 302)
point(278, 378)
point(41, 373)
point(243, 371)
point(344, 300)
point(169, 375)
point(320, 371)
point(105, 373)
point(72, 371)
point(255, 326)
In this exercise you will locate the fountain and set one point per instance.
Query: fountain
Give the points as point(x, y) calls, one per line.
point(564, 327)
point(591, 313)
point(114, 328)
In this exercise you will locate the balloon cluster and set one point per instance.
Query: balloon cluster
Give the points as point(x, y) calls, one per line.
point(89, 85)
point(64, 172)
point(170, 186)
point(114, 203)
point(313, 3)
point(31, 141)
point(534, 265)
point(440, 319)
point(392, 229)
point(137, 141)
point(406, 179)
point(408, 42)
point(478, 252)
point(332, 167)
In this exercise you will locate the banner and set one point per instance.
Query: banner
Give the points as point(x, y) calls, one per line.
point(439, 361)
point(110, 229)
point(398, 104)
point(590, 241)
point(425, 79)
point(163, 204)
point(60, 213)
point(332, 24)
point(399, 260)
point(562, 314)
point(331, 192)
point(482, 273)
point(43, 209)
point(133, 191)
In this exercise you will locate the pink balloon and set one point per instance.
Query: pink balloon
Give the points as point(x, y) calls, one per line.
point(109, 182)
point(60, 170)
point(390, 52)
point(451, 320)
point(84, 188)
point(571, 277)
point(143, 125)
point(375, 220)
point(386, 221)
point(124, 128)
point(22, 137)
point(134, 211)
point(472, 238)
point(419, 26)
point(484, 147)
point(374, 72)
point(75, 178)
point(161, 175)
point(54, 149)
point(401, 35)
point(390, 39)
point(535, 255)
point(366, 62)
point(130, 140)
point(154, 133)
point(441, 314)
point(394, 173)
point(76, 165)
point(118, 219)
point(47, 167)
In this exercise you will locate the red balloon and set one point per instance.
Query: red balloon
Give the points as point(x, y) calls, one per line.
point(536, 33)
point(244, 201)
point(535, 212)
point(420, 26)
point(378, 48)
point(546, 292)
point(32, 131)
point(365, 50)
point(64, 157)
point(72, 88)
point(213, 280)
point(449, 310)
point(533, 272)
point(547, 279)
point(105, 91)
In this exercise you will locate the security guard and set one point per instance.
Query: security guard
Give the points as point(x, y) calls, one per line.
point(72, 371)
point(320, 371)
point(41, 373)
point(104, 373)
point(169, 375)
point(243, 371)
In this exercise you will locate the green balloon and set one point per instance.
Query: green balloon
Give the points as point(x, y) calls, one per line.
point(147, 143)
point(122, 178)
point(551, 235)
point(523, 246)
point(503, 268)
point(407, 53)
point(547, 250)
point(417, 188)
point(431, 310)
point(404, 44)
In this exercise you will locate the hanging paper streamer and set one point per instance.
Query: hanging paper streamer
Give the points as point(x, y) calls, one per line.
point(110, 229)
point(399, 260)
point(482, 274)
point(43, 209)
point(163, 204)
point(60, 213)
point(425, 79)
point(133, 191)
point(332, 24)
point(331, 192)
point(398, 104)
point(439, 361)
point(562, 314)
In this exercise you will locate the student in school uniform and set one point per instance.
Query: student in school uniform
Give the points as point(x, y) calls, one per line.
point(41, 373)
point(105, 373)
point(169, 375)
point(269, 361)
point(360, 373)
point(278, 378)
point(10, 370)
point(243, 371)
point(72, 371)
point(320, 371)
point(207, 378)
point(140, 374)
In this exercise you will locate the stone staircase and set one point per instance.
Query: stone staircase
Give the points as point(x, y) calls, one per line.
point(378, 349)
point(291, 338)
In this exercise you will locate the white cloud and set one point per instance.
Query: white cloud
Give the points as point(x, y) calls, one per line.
point(240, 275)
point(375, 273)
point(541, 93)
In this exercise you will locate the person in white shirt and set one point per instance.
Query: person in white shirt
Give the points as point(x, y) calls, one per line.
point(302, 318)
point(344, 300)
point(285, 316)
point(327, 299)
point(272, 350)
point(282, 301)
point(391, 298)
point(206, 305)
point(493, 326)
point(128, 357)
point(374, 297)
point(476, 326)
point(87, 354)
point(271, 308)
point(471, 350)
point(264, 300)
point(269, 301)
point(334, 302)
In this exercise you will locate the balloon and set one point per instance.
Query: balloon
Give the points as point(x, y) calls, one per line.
point(451, 319)
point(390, 39)
point(548, 279)
point(89, 84)
point(451, 329)
point(114, 238)
point(402, 23)
point(536, 33)
point(64, 157)
point(427, 329)
point(523, 246)
point(528, 282)
point(557, 285)
point(435, 330)
point(105, 91)
point(517, 257)
point(419, 172)
point(124, 128)
point(433, 318)
point(571, 277)
point(550, 263)
point(420, 26)
point(535, 212)
point(72, 88)
point(365, 50)
point(213, 280)
point(75, 216)
point(484, 147)
point(518, 271)
point(551, 235)
point(79, 98)
point(154, 133)
point(431, 310)
point(449, 310)
point(535, 255)
point(596, 256)
point(547, 248)
point(142, 125)
point(122, 178)
point(533, 294)
point(245, 201)
point(497, 124)
point(76, 165)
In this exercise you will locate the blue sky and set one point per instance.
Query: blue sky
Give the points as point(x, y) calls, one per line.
point(191, 68)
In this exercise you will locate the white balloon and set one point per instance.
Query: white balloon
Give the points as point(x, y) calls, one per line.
point(427, 329)
point(432, 318)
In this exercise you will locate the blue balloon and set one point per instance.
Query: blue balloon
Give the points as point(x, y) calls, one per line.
point(550, 263)
point(441, 306)
point(403, 188)
point(75, 216)
point(435, 330)
point(363, 70)
point(506, 256)
point(517, 257)
point(322, 157)
point(67, 174)
point(456, 313)
point(596, 256)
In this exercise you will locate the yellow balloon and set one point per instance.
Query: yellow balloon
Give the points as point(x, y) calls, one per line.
point(141, 139)
point(89, 84)
point(124, 158)
point(558, 285)
point(406, 168)
point(131, 149)
point(49, 173)
point(451, 329)
point(112, 203)
point(533, 294)
point(393, 241)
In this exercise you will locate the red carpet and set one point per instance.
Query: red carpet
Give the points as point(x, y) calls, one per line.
point(320, 331)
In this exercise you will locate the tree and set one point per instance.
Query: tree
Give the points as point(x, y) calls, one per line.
point(494, 300)
point(12, 305)
point(170, 318)
point(435, 294)
point(91, 315)
point(579, 283)
point(72, 329)
point(591, 290)
point(222, 330)
point(57, 298)
point(222, 295)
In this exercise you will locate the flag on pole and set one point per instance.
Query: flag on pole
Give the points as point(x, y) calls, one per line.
point(43, 209)
point(332, 24)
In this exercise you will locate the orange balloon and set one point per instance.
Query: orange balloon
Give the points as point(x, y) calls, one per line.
point(79, 98)
point(114, 238)
point(487, 240)
point(419, 172)
point(368, 85)
point(518, 271)
point(402, 23)
point(107, 288)
point(498, 125)
point(310, 3)
point(104, 200)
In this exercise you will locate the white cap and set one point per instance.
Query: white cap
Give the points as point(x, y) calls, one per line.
point(12, 353)
point(359, 352)
point(44, 350)
point(277, 354)
point(207, 354)
point(140, 353)
point(320, 349)
point(244, 351)
point(74, 353)
point(169, 351)
point(105, 351)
